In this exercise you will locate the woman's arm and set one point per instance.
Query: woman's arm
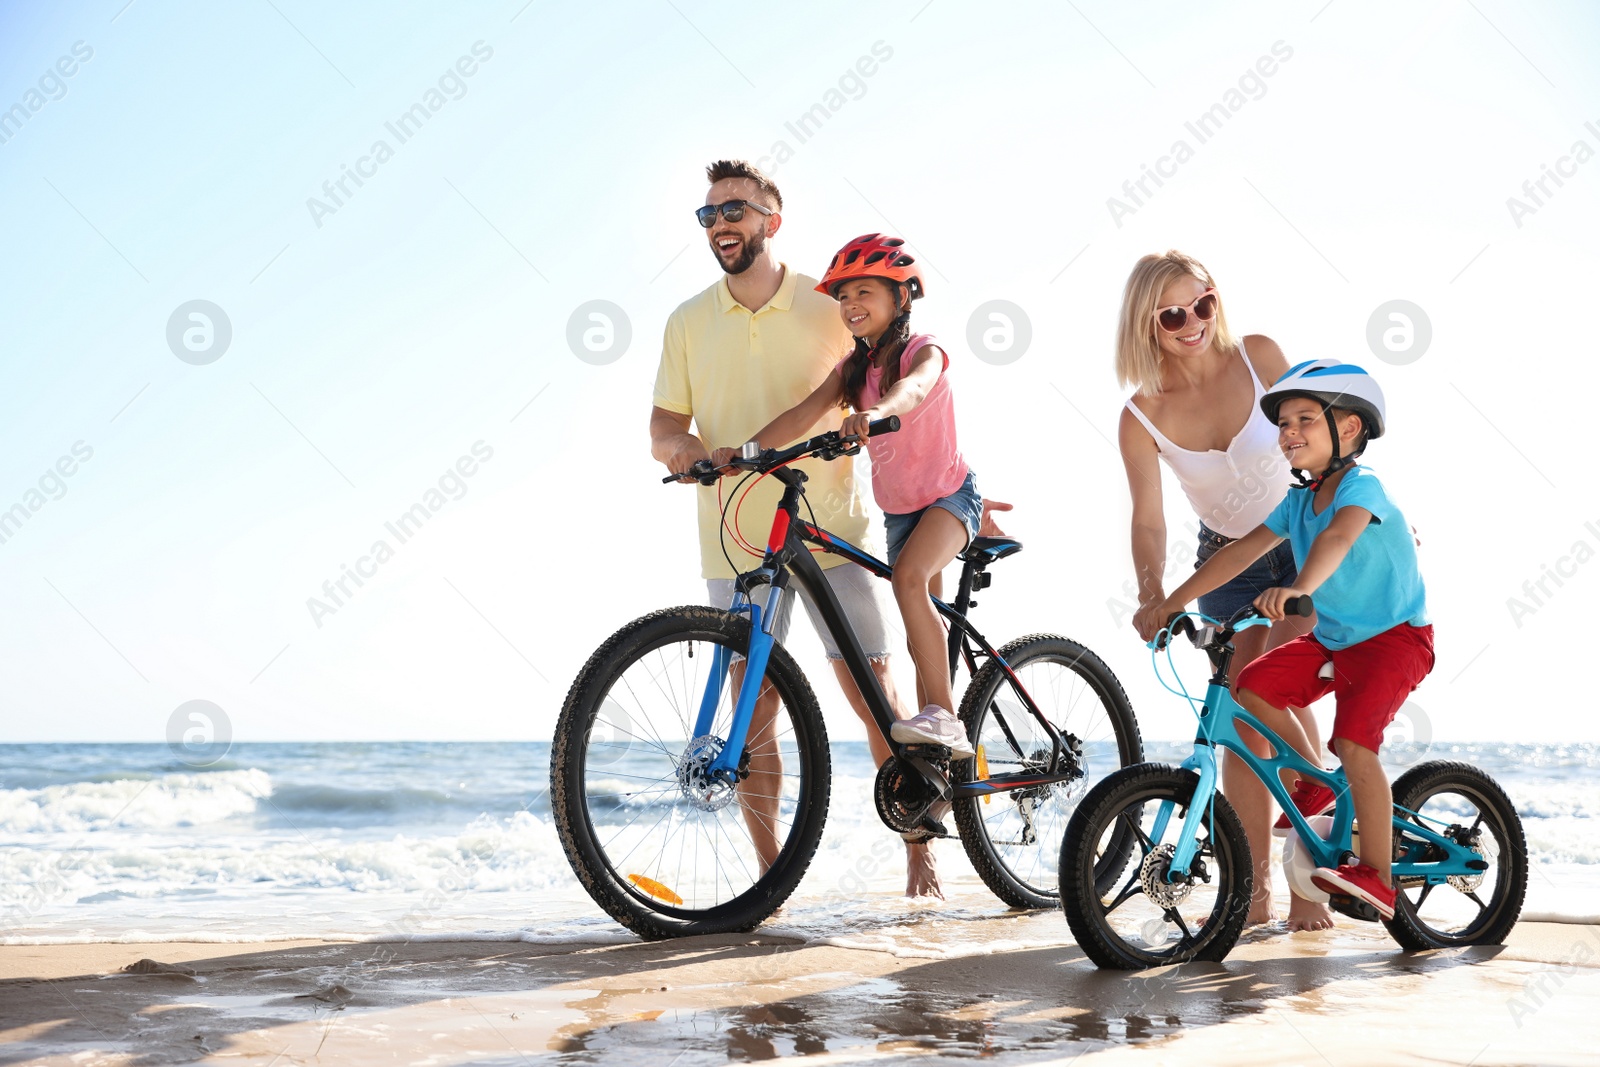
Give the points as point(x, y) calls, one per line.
point(1265, 357)
point(1149, 533)
point(1229, 562)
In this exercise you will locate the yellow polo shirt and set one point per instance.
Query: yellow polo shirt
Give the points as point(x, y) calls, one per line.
point(733, 371)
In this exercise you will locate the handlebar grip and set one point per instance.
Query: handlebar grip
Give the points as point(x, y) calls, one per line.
point(1178, 624)
point(1299, 605)
point(889, 425)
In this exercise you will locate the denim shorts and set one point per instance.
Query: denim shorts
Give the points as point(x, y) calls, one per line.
point(1274, 569)
point(965, 504)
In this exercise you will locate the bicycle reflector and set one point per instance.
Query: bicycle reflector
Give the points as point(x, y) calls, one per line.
point(983, 772)
point(655, 889)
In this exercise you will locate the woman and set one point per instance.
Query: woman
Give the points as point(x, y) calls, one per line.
point(1197, 409)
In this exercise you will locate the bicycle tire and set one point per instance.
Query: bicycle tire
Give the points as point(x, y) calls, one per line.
point(622, 757)
point(1213, 911)
point(1013, 839)
point(1423, 919)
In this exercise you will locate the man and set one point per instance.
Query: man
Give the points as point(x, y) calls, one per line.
point(740, 353)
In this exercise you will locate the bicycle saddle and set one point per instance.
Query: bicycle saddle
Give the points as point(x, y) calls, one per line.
point(986, 550)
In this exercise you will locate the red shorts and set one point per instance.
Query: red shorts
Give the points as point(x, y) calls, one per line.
point(1371, 678)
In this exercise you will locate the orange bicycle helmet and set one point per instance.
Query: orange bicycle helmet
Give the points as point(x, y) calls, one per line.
point(873, 255)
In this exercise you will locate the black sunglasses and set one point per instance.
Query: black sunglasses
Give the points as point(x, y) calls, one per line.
point(732, 210)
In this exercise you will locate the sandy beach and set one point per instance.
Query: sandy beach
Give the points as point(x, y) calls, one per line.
point(1347, 996)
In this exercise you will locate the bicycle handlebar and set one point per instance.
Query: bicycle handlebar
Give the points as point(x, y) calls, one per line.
point(828, 445)
point(1182, 623)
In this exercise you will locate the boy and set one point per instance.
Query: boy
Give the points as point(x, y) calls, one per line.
point(1372, 644)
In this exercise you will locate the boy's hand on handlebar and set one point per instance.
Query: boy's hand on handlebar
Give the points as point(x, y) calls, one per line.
point(1150, 618)
point(1271, 603)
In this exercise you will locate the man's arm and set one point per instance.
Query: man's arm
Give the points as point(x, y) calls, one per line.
point(671, 442)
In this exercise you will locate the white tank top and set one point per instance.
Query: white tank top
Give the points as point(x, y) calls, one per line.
point(1231, 491)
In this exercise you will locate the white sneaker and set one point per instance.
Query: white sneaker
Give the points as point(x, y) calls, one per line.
point(934, 726)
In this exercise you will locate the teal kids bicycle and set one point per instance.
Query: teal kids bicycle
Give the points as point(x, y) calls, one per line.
point(1460, 862)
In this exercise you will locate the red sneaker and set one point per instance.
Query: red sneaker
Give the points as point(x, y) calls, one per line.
point(1359, 881)
point(1310, 799)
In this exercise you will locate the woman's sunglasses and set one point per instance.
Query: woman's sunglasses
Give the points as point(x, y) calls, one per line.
point(732, 210)
point(1174, 318)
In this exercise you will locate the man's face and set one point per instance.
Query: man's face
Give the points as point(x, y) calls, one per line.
point(737, 244)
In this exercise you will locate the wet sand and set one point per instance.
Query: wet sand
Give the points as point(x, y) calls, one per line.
point(1347, 996)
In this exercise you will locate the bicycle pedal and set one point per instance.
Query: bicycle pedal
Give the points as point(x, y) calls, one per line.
point(937, 753)
point(929, 828)
point(1352, 908)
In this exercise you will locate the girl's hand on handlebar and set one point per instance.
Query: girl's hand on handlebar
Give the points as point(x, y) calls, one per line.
point(1150, 618)
point(1271, 602)
point(856, 425)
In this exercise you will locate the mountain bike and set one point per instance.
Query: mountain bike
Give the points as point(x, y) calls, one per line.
point(684, 811)
point(1460, 860)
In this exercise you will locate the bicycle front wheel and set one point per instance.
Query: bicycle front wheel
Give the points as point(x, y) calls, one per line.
point(1013, 838)
point(1147, 919)
point(1464, 803)
point(665, 850)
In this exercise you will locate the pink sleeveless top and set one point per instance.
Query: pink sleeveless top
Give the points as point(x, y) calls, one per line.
point(921, 463)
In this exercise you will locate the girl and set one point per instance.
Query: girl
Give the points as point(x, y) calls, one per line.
point(928, 495)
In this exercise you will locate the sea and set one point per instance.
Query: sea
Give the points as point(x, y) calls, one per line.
point(397, 841)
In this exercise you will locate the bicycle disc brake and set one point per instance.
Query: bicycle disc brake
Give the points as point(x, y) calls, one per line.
point(1469, 883)
point(1153, 879)
point(699, 788)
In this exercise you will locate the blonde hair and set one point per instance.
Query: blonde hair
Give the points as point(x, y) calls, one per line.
point(1138, 353)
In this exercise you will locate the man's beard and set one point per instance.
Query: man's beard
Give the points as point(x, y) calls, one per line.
point(752, 247)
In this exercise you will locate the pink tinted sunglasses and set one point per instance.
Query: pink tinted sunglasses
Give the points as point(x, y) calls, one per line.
point(1174, 318)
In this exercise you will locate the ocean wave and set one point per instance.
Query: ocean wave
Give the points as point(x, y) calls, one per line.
point(160, 802)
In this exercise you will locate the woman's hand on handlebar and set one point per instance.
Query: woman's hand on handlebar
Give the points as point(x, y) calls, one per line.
point(1150, 618)
point(1272, 603)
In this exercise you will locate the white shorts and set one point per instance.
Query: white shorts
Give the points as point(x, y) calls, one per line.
point(860, 595)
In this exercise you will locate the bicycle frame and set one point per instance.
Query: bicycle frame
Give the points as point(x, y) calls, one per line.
point(788, 556)
point(1219, 717)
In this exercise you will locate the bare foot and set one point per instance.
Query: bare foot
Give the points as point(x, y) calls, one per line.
point(1261, 910)
point(1308, 915)
point(922, 871)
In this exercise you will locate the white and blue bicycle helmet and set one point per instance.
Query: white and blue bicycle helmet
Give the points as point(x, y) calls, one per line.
point(1334, 385)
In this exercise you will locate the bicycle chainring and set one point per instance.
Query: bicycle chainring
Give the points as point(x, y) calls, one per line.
point(901, 796)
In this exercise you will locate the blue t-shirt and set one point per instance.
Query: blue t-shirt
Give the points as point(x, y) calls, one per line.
point(1377, 586)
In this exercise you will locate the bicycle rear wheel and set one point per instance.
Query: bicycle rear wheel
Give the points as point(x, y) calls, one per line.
point(1460, 801)
point(1146, 920)
point(1013, 838)
point(665, 851)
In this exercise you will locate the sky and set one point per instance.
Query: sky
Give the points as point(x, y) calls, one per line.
point(225, 376)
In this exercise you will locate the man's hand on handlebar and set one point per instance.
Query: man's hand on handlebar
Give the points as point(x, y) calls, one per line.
point(692, 451)
point(1274, 602)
